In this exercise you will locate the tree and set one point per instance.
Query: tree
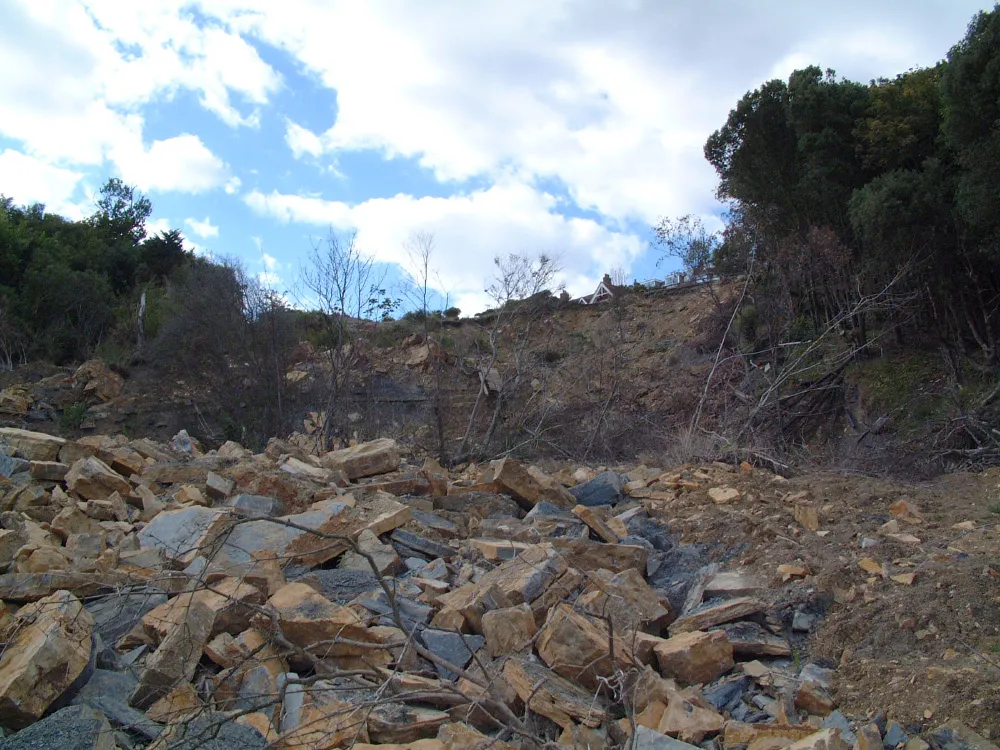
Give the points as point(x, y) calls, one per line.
point(519, 289)
point(971, 92)
point(122, 212)
point(420, 252)
point(162, 253)
point(687, 240)
point(346, 287)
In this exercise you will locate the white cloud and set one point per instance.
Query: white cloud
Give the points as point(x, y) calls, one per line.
point(302, 141)
point(182, 163)
point(469, 230)
point(270, 262)
point(613, 101)
point(232, 186)
point(157, 225)
point(203, 229)
point(29, 180)
point(268, 278)
point(86, 68)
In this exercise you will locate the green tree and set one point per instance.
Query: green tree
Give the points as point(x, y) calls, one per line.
point(121, 213)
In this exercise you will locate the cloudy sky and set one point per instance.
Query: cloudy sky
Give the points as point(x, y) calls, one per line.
point(564, 126)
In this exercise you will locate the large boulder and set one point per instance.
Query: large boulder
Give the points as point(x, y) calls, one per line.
point(34, 446)
point(527, 488)
point(48, 647)
point(95, 480)
point(364, 460)
point(185, 534)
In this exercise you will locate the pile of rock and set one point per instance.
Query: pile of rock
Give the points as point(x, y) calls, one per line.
point(161, 596)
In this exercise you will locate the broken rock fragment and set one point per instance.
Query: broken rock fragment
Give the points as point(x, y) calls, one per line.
point(696, 657)
point(364, 460)
point(48, 647)
point(95, 480)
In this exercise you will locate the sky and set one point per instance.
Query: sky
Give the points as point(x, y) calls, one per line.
point(564, 127)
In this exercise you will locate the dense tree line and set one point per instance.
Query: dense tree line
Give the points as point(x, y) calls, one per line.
point(69, 288)
point(841, 194)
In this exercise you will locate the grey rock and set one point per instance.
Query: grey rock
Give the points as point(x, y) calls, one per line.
point(803, 622)
point(894, 736)
point(436, 570)
point(291, 706)
point(821, 676)
point(837, 720)
point(454, 648)
point(108, 692)
point(257, 505)
point(728, 693)
point(265, 535)
point(652, 531)
point(410, 545)
point(214, 732)
point(414, 563)
point(342, 584)
point(604, 489)
point(678, 569)
point(177, 532)
point(116, 614)
point(413, 613)
point(648, 739)
point(483, 504)
point(548, 510)
point(70, 728)
point(9, 465)
point(435, 522)
point(868, 542)
point(956, 736)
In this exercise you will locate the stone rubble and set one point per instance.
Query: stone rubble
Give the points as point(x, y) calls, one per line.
point(157, 596)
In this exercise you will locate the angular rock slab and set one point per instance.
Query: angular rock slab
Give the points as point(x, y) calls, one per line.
point(365, 460)
point(34, 446)
point(185, 534)
point(45, 655)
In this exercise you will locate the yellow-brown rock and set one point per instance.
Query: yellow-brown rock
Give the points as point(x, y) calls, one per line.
point(48, 646)
point(95, 480)
point(509, 631)
point(364, 460)
point(696, 657)
point(630, 602)
point(575, 646)
point(309, 620)
point(34, 446)
point(527, 490)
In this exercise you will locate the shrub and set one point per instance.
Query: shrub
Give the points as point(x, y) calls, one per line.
point(72, 416)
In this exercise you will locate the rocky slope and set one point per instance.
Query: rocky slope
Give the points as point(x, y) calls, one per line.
point(159, 596)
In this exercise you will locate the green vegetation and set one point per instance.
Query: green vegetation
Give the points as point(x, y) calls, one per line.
point(865, 222)
point(72, 416)
point(66, 287)
point(871, 208)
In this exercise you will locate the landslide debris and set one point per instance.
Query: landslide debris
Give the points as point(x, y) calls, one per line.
point(155, 595)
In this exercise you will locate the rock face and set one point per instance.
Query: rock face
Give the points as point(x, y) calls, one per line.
point(365, 460)
point(49, 647)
